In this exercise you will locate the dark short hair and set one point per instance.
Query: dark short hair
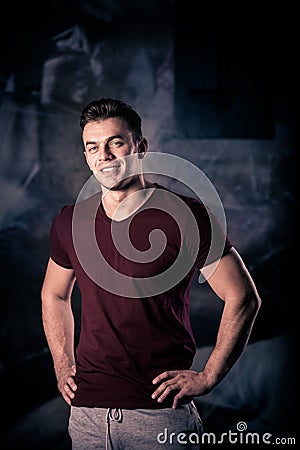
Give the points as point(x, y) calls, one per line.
point(105, 108)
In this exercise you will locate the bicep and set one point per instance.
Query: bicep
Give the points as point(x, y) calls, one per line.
point(58, 281)
point(230, 278)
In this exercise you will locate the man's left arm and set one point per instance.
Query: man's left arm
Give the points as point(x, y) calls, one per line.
point(232, 283)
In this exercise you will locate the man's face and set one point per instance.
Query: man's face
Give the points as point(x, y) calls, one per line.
point(106, 143)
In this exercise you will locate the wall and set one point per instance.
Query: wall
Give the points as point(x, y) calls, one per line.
point(240, 136)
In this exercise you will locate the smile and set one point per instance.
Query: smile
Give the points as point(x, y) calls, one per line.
point(110, 169)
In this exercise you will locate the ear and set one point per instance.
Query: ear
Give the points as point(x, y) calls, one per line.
point(143, 147)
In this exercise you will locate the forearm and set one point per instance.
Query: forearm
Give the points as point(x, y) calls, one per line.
point(231, 281)
point(58, 322)
point(234, 331)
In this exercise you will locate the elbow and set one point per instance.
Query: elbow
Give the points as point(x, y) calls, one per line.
point(253, 303)
point(256, 299)
point(258, 302)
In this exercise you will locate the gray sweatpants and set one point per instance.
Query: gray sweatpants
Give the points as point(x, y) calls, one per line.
point(135, 429)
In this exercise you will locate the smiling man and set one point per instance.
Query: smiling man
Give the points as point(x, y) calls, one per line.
point(112, 140)
point(129, 378)
point(107, 147)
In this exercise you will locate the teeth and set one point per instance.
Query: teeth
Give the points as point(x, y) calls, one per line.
point(109, 169)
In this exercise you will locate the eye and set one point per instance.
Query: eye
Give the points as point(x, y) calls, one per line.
point(92, 149)
point(116, 144)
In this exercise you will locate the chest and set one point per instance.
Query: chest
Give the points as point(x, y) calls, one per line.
point(142, 247)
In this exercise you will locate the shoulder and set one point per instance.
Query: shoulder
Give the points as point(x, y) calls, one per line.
point(82, 208)
point(193, 203)
point(65, 214)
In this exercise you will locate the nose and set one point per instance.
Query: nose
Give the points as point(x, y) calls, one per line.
point(104, 153)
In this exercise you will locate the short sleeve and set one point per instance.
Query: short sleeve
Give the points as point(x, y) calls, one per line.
point(213, 242)
point(58, 251)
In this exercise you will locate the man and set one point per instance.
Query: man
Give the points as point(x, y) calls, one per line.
point(131, 379)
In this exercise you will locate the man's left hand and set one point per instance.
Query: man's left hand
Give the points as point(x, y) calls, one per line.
point(185, 383)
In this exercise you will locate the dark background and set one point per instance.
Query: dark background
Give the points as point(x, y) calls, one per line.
point(214, 86)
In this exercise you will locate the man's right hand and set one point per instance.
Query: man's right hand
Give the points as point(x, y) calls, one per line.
point(66, 384)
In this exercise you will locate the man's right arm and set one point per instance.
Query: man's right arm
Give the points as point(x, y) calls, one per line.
point(58, 323)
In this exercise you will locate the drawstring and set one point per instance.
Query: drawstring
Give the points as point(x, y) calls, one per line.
point(114, 414)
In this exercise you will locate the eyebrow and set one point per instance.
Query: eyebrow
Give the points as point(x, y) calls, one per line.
point(115, 136)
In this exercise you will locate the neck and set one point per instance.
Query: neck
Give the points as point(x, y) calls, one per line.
point(120, 204)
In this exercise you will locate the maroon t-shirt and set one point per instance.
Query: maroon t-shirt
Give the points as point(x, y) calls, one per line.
point(134, 282)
